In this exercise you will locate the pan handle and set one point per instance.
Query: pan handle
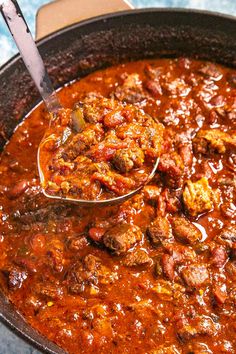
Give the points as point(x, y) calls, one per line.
point(61, 13)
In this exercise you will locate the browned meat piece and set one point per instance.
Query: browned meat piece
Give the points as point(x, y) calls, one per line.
point(131, 91)
point(94, 108)
point(198, 197)
point(219, 256)
point(171, 165)
point(49, 290)
point(120, 238)
point(126, 159)
point(151, 192)
point(214, 140)
point(180, 253)
point(195, 275)
point(201, 325)
point(82, 142)
point(137, 258)
point(159, 231)
point(175, 86)
point(78, 243)
point(210, 70)
point(185, 231)
point(15, 277)
point(86, 273)
point(227, 236)
point(168, 266)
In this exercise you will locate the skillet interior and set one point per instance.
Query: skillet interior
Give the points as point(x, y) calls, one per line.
point(93, 44)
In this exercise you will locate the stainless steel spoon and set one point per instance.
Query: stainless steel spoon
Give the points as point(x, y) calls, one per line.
point(18, 27)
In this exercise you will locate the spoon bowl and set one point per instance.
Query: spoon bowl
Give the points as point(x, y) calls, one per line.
point(18, 27)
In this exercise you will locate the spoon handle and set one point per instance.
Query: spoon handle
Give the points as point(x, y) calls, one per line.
point(17, 25)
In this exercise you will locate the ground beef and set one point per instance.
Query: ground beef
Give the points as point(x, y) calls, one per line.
point(126, 159)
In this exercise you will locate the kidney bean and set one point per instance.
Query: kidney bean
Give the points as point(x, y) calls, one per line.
point(96, 233)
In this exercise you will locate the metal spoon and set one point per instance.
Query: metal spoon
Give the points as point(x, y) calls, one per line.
point(18, 27)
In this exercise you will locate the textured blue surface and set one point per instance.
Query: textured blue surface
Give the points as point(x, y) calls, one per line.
point(9, 343)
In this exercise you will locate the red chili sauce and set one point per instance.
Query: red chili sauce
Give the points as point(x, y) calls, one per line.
point(156, 274)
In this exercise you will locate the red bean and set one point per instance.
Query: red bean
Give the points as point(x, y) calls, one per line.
point(96, 233)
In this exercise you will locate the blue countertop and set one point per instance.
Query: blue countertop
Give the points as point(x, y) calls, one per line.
point(9, 342)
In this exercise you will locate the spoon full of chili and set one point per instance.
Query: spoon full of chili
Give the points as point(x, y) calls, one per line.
point(18, 27)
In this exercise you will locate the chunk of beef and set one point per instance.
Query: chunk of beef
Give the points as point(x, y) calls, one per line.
point(210, 70)
point(171, 166)
point(195, 275)
point(198, 197)
point(127, 159)
point(15, 276)
point(48, 291)
point(137, 258)
point(131, 91)
point(151, 192)
point(120, 238)
point(219, 256)
point(159, 231)
point(181, 254)
point(227, 236)
point(168, 266)
point(201, 325)
point(86, 273)
point(185, 231)
point(214, 140)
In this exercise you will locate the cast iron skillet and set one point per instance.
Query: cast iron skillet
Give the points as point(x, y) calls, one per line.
point(97, 43)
